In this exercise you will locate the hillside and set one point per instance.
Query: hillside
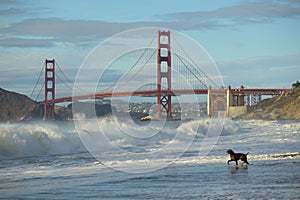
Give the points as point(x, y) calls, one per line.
point(17, 107)
point(283, 107)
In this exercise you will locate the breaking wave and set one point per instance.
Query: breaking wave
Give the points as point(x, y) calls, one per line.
point(38, 138)
point(50, 138)
point(59, 138)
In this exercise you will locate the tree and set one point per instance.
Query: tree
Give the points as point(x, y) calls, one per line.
point(296, 85)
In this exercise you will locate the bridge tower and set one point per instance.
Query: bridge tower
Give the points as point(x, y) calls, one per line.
point(49, 89)
point(164, 72)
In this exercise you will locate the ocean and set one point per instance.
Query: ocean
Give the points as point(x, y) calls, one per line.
point(50, 160)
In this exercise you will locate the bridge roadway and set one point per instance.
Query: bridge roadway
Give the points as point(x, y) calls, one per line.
point(154, 93)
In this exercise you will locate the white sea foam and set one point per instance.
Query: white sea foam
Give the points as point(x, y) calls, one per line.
point(273, 156)
point(256, 136)
point(37, 138)
point(48, 138)
point(253, 159)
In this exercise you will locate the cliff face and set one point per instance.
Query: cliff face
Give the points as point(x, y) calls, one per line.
point(17, 107)
point(283, 107)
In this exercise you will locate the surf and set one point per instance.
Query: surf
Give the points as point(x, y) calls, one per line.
point(38, 138)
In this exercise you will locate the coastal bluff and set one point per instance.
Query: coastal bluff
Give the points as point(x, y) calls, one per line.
point(17, 107)
point(283, 107)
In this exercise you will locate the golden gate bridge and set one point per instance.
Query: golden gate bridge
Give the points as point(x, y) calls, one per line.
point(173, 73)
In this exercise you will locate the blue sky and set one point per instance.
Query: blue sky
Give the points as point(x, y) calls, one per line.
point(254, 43)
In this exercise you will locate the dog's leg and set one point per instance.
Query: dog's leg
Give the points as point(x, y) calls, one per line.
point(244, 158)
point(246, 162)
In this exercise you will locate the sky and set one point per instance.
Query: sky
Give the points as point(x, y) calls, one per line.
point(253, 43)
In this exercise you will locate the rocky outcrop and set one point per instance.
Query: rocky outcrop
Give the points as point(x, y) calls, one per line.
point(17, 107)
point(283, 107)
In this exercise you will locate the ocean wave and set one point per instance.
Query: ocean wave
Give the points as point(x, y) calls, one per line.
point(50, 138)
point(126, 134)
point(37, 138)
point(256, 160)
point(279, 156)
point(200, 127)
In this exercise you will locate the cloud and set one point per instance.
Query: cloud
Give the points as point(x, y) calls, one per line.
point(267, 62)
point(12, 12)
point(3, 2)
point(245, 13)
point(19, 8)
point(54, 31)
point(59, 30)
point(262, 71)
point(78, 32)
point(20, 42)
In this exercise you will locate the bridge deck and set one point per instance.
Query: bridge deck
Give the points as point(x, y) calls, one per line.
point(154, 93)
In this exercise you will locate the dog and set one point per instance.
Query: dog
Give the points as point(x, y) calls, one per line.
point(237, 156)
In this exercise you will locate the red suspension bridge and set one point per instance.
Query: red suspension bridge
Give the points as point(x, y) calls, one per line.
point(173, 73)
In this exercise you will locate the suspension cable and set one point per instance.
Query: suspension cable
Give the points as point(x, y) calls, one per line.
point(134, 75)
point(194, 62)
point(70, 82)
point(190, 71)
point(134, 65)
point(37, 82)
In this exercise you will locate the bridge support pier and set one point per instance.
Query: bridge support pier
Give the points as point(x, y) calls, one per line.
point(49, 89)
point(228, 100)
point(241, 100)
point(216, 102)
point(209, 106)
point(164, 73)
